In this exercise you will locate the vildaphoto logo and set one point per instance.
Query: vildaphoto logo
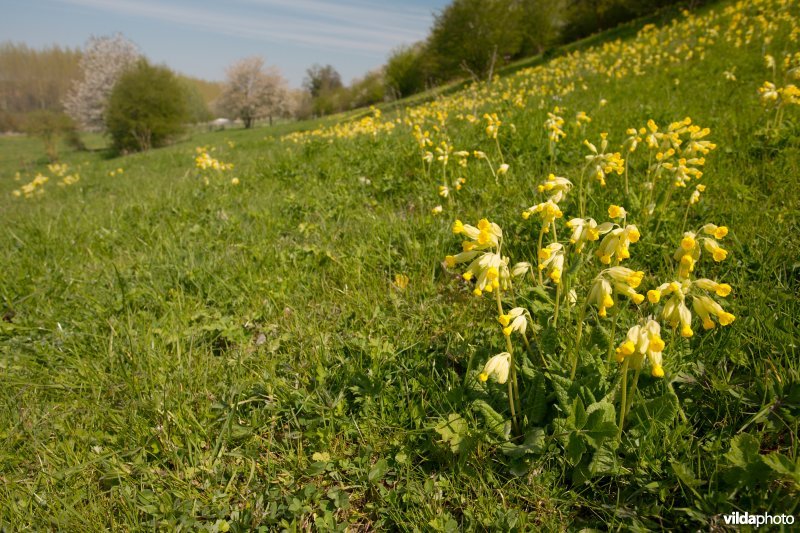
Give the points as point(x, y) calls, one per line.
point(764, 519)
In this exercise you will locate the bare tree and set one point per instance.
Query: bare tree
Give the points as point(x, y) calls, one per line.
point(103, 62)
point(253, 91)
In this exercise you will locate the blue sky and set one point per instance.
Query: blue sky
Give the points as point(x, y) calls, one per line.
point(202, 37)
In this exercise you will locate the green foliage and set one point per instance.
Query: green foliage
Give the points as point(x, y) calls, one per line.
point(49, 126)
point(367, 90)
point(146, 109)
point(197, 110)
point(406, 72)
point(474, 37)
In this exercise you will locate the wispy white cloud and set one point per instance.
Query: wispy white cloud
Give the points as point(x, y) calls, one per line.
point(346, 26)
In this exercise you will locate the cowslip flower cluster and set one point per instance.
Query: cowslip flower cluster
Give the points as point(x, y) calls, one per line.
point(33, 188)
point(640, 342)
point(487, 269)
point(583, 231)
point(675, 311)
point(688, 252)
point(493, 125)
point(204, 162)
point(554, 126)
point(602, 163)
point(615, 280)
point(616, 242)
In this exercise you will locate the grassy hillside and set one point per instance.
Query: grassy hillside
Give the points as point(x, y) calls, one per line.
point(291, 343)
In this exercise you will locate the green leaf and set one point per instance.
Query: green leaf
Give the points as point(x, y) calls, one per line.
point(578, 415)
point(495, 422)
point(662, 409)
point(685, 475)
point(534, 443)
point(744, 450)
point(454, 431)
point(604, 462)
point(783, 466)
point(536, 399)
point(600, 424)
point(575, 448)
point(561, 387)
point(339, 498)
point(378, 470)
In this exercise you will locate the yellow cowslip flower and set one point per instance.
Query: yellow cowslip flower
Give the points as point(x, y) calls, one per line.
point(489, 270)
point(790, 94)
point(502, 169)
point(626, 275)
point(437, 210)
point(690, 247)
point(493, 126)
point(696, 145)
point(695, 197)
point(642, 341)
point(556, 185)
point(582, 118)
point(486, 235)
point(583, 230)
point(600, 296)
point(551, 258)
point(498, 367)
point(548, 211)
point(720, 289)
point(717, 252)
point(718, 232)
point(675, 311)
point(444, 191)
point(514, 320)
point(553, 125)
point(632, 141)
point(444, 150)
point(603, 163)
point(768, 93)
point(616, 242)
point(705, 307)
point(401, 281)
point(615, 211)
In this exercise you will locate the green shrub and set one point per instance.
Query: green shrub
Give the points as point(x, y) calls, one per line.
point(146, 108)
point(49, 126)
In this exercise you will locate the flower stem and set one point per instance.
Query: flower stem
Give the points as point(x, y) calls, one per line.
point(576, 349)
point(512, 382)
point(623, 399)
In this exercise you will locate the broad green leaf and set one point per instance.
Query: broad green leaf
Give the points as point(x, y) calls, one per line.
point(600, 424)
point(378, 470)
point(453, 431)
point(495, 422)
point(575, 448)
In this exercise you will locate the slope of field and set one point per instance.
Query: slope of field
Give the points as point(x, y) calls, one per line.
point(282, 344)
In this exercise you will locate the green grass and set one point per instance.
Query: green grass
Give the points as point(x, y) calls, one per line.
point(180, 355)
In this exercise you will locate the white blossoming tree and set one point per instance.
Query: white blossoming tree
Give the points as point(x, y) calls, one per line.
point(103, 62)
point(253, 91)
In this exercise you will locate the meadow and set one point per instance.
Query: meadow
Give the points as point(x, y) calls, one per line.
point(397, 320)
